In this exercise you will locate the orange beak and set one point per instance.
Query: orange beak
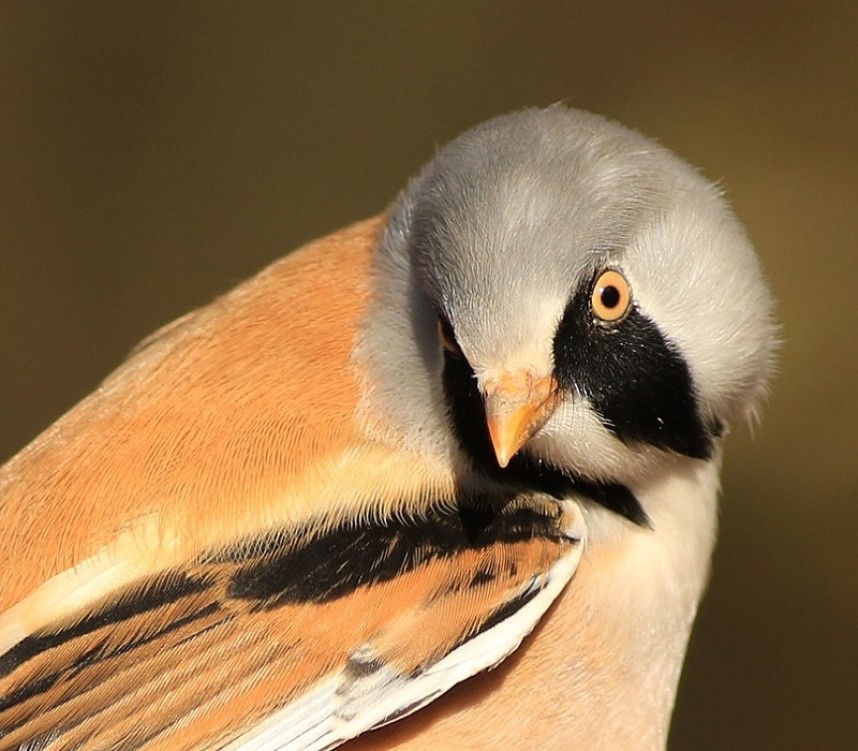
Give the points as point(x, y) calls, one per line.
point(517, 405)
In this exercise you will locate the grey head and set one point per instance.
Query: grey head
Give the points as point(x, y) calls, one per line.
point(559, 290)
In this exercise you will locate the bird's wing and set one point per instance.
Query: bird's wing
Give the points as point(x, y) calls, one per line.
point(209, 552)
point(297, 639)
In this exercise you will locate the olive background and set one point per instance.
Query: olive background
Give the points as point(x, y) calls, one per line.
point(154, 154)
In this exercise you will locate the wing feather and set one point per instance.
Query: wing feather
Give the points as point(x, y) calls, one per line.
point(207, 553)
point(298, 640)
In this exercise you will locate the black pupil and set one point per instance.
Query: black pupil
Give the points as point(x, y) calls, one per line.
point(610, 297)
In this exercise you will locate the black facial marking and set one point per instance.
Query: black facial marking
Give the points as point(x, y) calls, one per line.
point(334, 564)
point(468, 417)
point(635, 379)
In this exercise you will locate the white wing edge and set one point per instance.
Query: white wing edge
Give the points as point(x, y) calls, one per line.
point(341, 707)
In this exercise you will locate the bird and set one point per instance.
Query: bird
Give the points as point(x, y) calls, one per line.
point(446, 478)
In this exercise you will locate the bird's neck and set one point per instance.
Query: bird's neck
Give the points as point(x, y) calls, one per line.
point(601, 669)
point(615, 643)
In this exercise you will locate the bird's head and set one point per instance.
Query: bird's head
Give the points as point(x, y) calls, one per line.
point(581, 298)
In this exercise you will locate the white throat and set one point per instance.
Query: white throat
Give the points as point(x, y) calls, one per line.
point(631, 606)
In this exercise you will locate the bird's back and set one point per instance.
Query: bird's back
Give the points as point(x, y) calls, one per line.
point(201, 430)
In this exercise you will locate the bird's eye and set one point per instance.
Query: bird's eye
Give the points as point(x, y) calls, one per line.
point(447, 337)
point(612, 296)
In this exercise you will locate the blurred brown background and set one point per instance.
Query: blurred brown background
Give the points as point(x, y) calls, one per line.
point(152, 155)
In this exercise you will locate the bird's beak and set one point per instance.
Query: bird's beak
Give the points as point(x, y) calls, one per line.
point(517, 405)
